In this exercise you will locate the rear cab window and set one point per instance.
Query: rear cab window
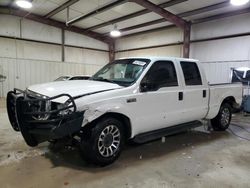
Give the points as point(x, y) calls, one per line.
point(191, 73)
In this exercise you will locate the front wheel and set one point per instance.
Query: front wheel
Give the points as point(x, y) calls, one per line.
point(103, 143)
point(222, 120)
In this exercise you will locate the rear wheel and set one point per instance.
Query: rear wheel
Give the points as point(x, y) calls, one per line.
point(222, 120)
point(103, 143)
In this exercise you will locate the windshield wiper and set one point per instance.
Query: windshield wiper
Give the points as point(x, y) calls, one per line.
point(104, 80)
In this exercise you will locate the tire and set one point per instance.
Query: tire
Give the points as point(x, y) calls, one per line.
point(103, 144)
point(222, 121)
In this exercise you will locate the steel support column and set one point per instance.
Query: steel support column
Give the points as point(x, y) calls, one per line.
point(63, 47)
point(186, 40)
point(176, 20)
point(111, 51)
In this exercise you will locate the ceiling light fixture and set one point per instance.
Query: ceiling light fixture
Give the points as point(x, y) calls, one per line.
point(24, 4)
point(239, 2)
point(115, 32)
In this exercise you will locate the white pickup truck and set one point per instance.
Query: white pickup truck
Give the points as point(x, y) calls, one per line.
point(137, 99)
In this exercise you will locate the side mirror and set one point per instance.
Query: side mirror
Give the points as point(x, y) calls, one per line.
point(145, 86)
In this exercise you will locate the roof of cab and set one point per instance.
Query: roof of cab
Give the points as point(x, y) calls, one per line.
point(157, 58)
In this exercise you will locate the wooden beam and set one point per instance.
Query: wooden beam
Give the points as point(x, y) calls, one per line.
point(97, 11)
point(178, 21)
point(60, 8)
point(135, 14)
point(51, 22)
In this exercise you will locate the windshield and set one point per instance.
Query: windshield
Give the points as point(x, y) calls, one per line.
point(248, 75)
point(123, 72)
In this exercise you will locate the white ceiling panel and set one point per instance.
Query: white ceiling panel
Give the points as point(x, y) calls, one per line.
point(59, 2)
point(42, 7)
point(218, 11)
point(108, 15)
point(82, 7)
point(127, 8)
point(139, 19)
point(111, 14)
point(191, 5)
point(4, 2)
point(88, 22)
point(86, 6)
point(61, 16)
point(107, 28)
point(131, 22)
point(119, 11)
point(147, 28)
point(179, 8)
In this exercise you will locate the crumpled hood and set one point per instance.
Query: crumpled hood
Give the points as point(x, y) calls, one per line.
point(72, 87)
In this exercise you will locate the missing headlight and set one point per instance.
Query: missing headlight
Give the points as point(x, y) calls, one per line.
point(40, 106)
point(66, 111)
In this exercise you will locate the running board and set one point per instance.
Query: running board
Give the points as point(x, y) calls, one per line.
point(156, 134)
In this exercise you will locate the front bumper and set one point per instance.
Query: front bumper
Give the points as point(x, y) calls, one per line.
point(24, 117)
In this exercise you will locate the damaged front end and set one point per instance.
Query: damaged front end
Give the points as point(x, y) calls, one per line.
point(40, 118)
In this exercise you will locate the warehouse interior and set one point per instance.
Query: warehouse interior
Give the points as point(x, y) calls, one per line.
point(55, 38)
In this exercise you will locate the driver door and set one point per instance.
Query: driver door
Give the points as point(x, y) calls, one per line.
point(159, 102)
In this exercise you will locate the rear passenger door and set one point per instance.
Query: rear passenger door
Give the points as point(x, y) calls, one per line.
point(195, 94)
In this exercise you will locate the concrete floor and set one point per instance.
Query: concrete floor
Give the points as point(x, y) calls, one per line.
point(193, 159)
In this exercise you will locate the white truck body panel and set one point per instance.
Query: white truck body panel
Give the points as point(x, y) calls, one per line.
point(152, 110)
point(219, 92)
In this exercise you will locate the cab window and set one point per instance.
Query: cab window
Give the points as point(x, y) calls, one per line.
point(191, 73)
point(161, 74)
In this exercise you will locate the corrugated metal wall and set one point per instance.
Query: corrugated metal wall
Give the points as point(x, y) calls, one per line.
point(157, 38)
point(219, 72)
point(217, 56)
point(21, 73)
point(25, 62)
point(175, 51)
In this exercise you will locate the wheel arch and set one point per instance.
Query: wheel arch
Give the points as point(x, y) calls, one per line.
point(125, 120)
point(213, 112)
point(229, 100)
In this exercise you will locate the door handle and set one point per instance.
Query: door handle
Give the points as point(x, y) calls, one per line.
point(204, 93)
point(180, 96)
